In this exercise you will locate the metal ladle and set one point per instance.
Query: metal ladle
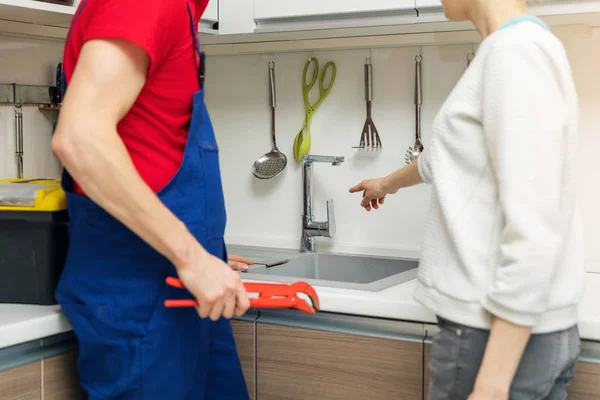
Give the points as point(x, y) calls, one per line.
point(274, 162)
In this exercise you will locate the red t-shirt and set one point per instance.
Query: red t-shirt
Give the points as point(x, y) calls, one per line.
point(155, 129)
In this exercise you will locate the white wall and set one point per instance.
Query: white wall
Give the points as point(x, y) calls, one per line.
point(269, 212)
point(28, 62)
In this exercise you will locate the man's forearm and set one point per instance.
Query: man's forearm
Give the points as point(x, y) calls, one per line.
point(404, 177)
point(503, 354)
point(103, 168)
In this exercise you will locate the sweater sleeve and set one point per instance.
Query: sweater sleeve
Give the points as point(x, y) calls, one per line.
point(524, 118)
point(424, 166)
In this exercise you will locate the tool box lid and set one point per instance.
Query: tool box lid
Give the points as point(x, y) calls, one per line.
point(32, 195)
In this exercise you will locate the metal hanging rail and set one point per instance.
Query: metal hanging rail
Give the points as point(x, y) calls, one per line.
point(18, 96)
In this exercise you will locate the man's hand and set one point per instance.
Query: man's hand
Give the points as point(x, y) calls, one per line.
point(374, 193)
point(217, 288)
point(239, 263)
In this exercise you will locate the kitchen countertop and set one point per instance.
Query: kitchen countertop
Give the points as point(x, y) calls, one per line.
point(23, 323)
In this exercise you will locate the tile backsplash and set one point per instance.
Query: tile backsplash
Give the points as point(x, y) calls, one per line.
point(269, 212)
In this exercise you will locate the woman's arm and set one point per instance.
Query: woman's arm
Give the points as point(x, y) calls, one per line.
point(375, 190)
point(525, 118)
point(503, 353)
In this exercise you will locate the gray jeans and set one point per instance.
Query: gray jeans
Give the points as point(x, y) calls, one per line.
point(545, 370)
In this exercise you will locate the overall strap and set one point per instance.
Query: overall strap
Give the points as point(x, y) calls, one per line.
point(196, 41)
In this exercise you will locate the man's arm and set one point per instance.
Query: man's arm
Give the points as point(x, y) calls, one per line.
point(105, 84)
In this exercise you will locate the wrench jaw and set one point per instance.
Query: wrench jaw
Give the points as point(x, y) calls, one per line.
point(308, 290)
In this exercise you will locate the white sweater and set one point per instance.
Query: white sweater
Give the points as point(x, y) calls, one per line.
point(503, 235)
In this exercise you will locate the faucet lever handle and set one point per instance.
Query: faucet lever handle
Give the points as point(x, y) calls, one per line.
point(330, 219)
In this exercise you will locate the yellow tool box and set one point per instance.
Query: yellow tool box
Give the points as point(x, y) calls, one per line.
point(34, 238)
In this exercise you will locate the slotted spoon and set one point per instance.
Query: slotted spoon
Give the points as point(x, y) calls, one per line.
point(274, 162)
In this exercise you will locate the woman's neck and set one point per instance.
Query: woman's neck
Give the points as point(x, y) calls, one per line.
point(489, 15)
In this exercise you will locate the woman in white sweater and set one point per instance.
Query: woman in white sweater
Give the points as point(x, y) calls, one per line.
point(502, 262)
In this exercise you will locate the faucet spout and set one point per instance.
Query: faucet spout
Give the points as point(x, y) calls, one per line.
point(310, 158)
point(310, 227)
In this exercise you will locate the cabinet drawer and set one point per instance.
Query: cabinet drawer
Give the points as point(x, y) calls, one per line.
point(245, 339)
point(61, 379)
point(426, 373)
point(586, 385)
point(297, 363)
point(22, 383)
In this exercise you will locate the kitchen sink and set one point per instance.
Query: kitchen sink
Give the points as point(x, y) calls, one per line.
point(340, 271)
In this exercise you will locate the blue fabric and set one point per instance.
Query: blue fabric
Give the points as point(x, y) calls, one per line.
point(524, 18)
point(113, 288)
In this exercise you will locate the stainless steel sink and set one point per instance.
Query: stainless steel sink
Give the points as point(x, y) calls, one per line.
point(340, 271)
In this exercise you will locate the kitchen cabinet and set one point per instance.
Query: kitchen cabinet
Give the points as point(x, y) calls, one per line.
point(275, 15)
point(586, 384)
point(60, 378)
point(310, 9)
point(37, 12)
point(244, 333)
point(22, 383)
point(424, 4)
point(210, 17)
point(297, 363)
point(426, 358)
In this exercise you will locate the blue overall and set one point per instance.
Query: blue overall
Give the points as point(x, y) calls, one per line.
point(113, 287)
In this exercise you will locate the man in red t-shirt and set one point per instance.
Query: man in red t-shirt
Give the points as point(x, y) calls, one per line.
point(145, 202)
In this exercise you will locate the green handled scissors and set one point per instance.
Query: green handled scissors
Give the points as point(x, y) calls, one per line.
point(302, 141)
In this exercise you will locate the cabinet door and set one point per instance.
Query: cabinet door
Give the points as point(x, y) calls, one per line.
point(22, 383)
point(428, 4)
point(297, 364)
point(306, 9)
point(245, 339)
point(586, 385)
point(426, 358)
point(211, 14)
point(61, 379)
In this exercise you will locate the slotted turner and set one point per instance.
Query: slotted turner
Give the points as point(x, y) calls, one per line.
point(274, 162)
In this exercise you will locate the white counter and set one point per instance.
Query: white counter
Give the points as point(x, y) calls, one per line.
point(20, 324)
point(23, 323)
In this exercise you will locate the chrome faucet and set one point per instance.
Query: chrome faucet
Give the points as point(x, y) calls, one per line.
point(311, 228)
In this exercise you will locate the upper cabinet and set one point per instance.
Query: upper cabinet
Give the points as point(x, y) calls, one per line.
point(277, 20)
point(537, 7)
point(242, 16)
point(210, 16)
point(34, 13)
point(426, 4)
point(318, 14)
point(37, 12)
point(311, 9)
